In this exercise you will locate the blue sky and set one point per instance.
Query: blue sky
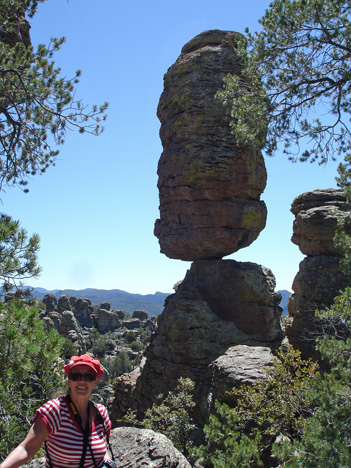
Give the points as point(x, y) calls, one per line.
point(95, 210)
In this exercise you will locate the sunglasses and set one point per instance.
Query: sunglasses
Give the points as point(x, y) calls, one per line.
point(77, 376)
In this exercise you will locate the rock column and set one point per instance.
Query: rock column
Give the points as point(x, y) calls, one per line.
point(320, 277)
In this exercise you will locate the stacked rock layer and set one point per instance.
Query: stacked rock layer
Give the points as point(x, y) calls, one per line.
point(209, 187)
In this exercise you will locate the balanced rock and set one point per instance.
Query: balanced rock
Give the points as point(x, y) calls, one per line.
point(209, 187)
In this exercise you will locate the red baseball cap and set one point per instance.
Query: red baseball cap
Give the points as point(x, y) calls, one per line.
point(84, 360)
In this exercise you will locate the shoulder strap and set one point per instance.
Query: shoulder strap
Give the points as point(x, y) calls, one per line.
point(101, 420)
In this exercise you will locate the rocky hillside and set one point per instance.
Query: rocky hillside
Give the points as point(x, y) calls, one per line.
point(117, 298)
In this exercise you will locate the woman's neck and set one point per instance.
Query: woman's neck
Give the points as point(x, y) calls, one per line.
point(81, 404)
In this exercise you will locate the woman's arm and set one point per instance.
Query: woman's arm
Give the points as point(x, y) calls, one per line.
point(28, 448)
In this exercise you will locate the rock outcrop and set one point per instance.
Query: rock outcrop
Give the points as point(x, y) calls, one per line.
point(320, 277)
point(209, 187)
point(219, 304)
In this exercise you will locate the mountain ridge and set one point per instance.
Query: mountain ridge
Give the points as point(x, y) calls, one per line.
point(119, 299)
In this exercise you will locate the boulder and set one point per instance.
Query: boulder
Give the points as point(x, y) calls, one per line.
point(107, 320)
point(209, 187)
point(141, 315)
point(83, 310)
point(132, 324)
point(139, 448)
point(316, 216)
point(120, 314)
point(320, 279)
point(105, 306)
point(72, 301)
point(239, 365)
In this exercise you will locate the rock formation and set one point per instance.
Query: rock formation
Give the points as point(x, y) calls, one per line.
point(209, 187)
point(209, 207)
point(75, 317)
point(320, 277)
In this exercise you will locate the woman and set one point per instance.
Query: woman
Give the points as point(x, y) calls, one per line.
point(73, 428)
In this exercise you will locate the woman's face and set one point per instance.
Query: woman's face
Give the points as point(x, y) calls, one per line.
point(82, 380)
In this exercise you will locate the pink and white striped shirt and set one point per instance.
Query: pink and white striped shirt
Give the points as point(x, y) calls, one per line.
point(65, 440)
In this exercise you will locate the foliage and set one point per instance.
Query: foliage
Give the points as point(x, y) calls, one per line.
point(294, 88)
point(172, 415)
point(130, 336)
point(276, 405)
point(117, 365)
point(30, 370)
point(69, 349)
point(37, 105)
point(325, 441)
point(136, 346)
point(145, 335)
point(98, 344)
point(18, 254)
point(342, 238)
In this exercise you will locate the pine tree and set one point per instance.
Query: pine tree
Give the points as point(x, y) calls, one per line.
point(31, 370)
point(294, 89)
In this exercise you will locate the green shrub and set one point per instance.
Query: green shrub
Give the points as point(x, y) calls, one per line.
point(172, 415)
point(130, 336)
point(31, 371)
point(276, 405)
point(136, 346)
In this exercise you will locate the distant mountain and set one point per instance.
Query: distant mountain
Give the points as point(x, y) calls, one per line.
point(122, 300)
point(119, 300)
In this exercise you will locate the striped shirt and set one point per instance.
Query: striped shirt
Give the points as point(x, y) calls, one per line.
point(65, 440)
